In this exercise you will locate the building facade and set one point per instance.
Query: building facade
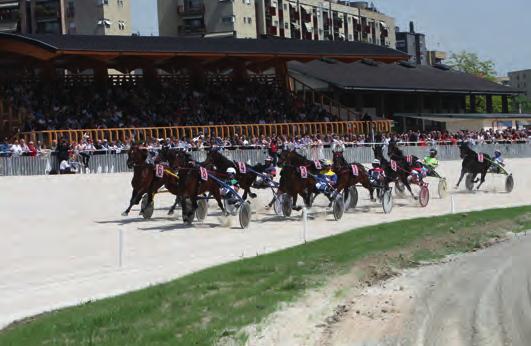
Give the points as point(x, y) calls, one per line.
point(412, 43)
point(306, 20)
point(521, 80)
point(98, 17)
point(436, 57)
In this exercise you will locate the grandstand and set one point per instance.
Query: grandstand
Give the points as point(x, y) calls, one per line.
point(120, 88)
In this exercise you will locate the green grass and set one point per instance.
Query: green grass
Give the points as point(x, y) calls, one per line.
point(203, 307)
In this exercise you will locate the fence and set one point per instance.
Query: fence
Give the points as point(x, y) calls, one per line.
point(116, 163)
point(249, 130)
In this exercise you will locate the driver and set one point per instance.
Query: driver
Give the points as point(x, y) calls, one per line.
point(498, 159)
point(269, 170)
point(233, 183)
point(326, 179)
point(431, 162)
point(376, 173)
point(418, 171)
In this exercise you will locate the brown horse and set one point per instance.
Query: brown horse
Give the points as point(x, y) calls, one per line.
point(187, 182)
point(291, 181)
point(345, 174)
point(246, 180)
point(143, 174)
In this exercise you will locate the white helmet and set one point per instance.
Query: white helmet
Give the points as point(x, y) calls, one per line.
point(231, 170)
point(375, 162)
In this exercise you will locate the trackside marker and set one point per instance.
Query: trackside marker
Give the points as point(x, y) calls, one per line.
point(120, 246)
point(452, 203)
point(305, 223)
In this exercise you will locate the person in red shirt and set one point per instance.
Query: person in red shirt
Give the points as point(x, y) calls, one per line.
point(32, 150)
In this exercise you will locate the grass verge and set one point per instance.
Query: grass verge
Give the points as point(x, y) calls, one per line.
point(204, 307)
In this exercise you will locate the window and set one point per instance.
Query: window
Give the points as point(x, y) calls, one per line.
point(350, 37)
point(285, 7)
point(286, 26)
point(121, 25)
point(121, 3)
point(349, 20)
point(249, 20)
point(228, 19)
point(105, 22)
point(103, 2)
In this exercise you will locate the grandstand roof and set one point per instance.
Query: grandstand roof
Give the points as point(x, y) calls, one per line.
point(398, 77)
point(106, 48)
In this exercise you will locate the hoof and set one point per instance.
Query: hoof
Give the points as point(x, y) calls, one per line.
point(252, 195)
point(125, 213)
point(415, 198)
point(299, 208)
point(267, 207)
point(170, 212)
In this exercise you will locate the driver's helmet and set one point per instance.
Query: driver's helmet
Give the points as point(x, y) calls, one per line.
point(376, 163)
point(497, 153)
point(268, 159)
point(433, 152)
point(327, 164)
point(231, 171)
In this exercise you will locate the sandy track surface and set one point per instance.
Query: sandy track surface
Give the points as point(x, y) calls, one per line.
point(482, 298)
point(60, 235)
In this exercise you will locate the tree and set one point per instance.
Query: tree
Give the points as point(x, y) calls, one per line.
point(471, 63)
point(523, 104)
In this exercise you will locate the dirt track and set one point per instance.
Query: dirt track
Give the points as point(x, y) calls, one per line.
point(60, 235)
point(482, 298)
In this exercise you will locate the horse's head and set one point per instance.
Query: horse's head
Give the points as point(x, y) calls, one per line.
point(282, 159)
point(378, 151)
point(464, 150)
point(136, 155)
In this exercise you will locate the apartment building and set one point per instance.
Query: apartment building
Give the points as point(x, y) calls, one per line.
point(306, 20)
point(88, 17)
point(412, 43)
point(521, 80)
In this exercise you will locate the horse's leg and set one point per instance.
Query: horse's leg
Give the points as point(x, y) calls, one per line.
point(403, 178)
point(217, 197)
point(245, 191)
point(172, 209)
point(483, 174)
point(132, 202)
point(460, 178)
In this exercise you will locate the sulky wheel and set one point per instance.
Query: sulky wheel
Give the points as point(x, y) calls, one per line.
point(147, 209)
point(424, 196)
point(442, 188)
point(245, 214)
point(202, 210)
point(509, 183)
point(277, 205)
point(287, 204)
point(338, 207)
point(187, 211)
point(469, 182)
point(387, 201)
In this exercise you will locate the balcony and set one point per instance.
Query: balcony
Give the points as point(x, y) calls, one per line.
point(197, 10)
point(272, 30)
point(272, 11)
point(191, 30)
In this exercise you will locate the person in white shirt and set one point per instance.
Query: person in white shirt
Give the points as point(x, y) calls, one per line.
point(16, 149)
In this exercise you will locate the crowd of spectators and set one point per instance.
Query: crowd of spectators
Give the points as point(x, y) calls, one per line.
point(204, 141)
point(165, 103)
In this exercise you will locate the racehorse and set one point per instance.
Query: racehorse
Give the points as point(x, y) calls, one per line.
point(143, 174)
point(291, 181)
point(345, 175)
point(221, 163)
point(473, 163)
point(403, 168)
point(187, 183)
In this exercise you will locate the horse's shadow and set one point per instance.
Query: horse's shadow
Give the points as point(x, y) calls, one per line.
point(180, 226)
point(127, 221)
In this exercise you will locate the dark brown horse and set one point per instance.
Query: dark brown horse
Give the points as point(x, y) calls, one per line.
point(291, 181)
point(400, 175)
point(186, 182)
point(473, 164)
point(345, 174)
point(221, 163)
point(143, 174)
